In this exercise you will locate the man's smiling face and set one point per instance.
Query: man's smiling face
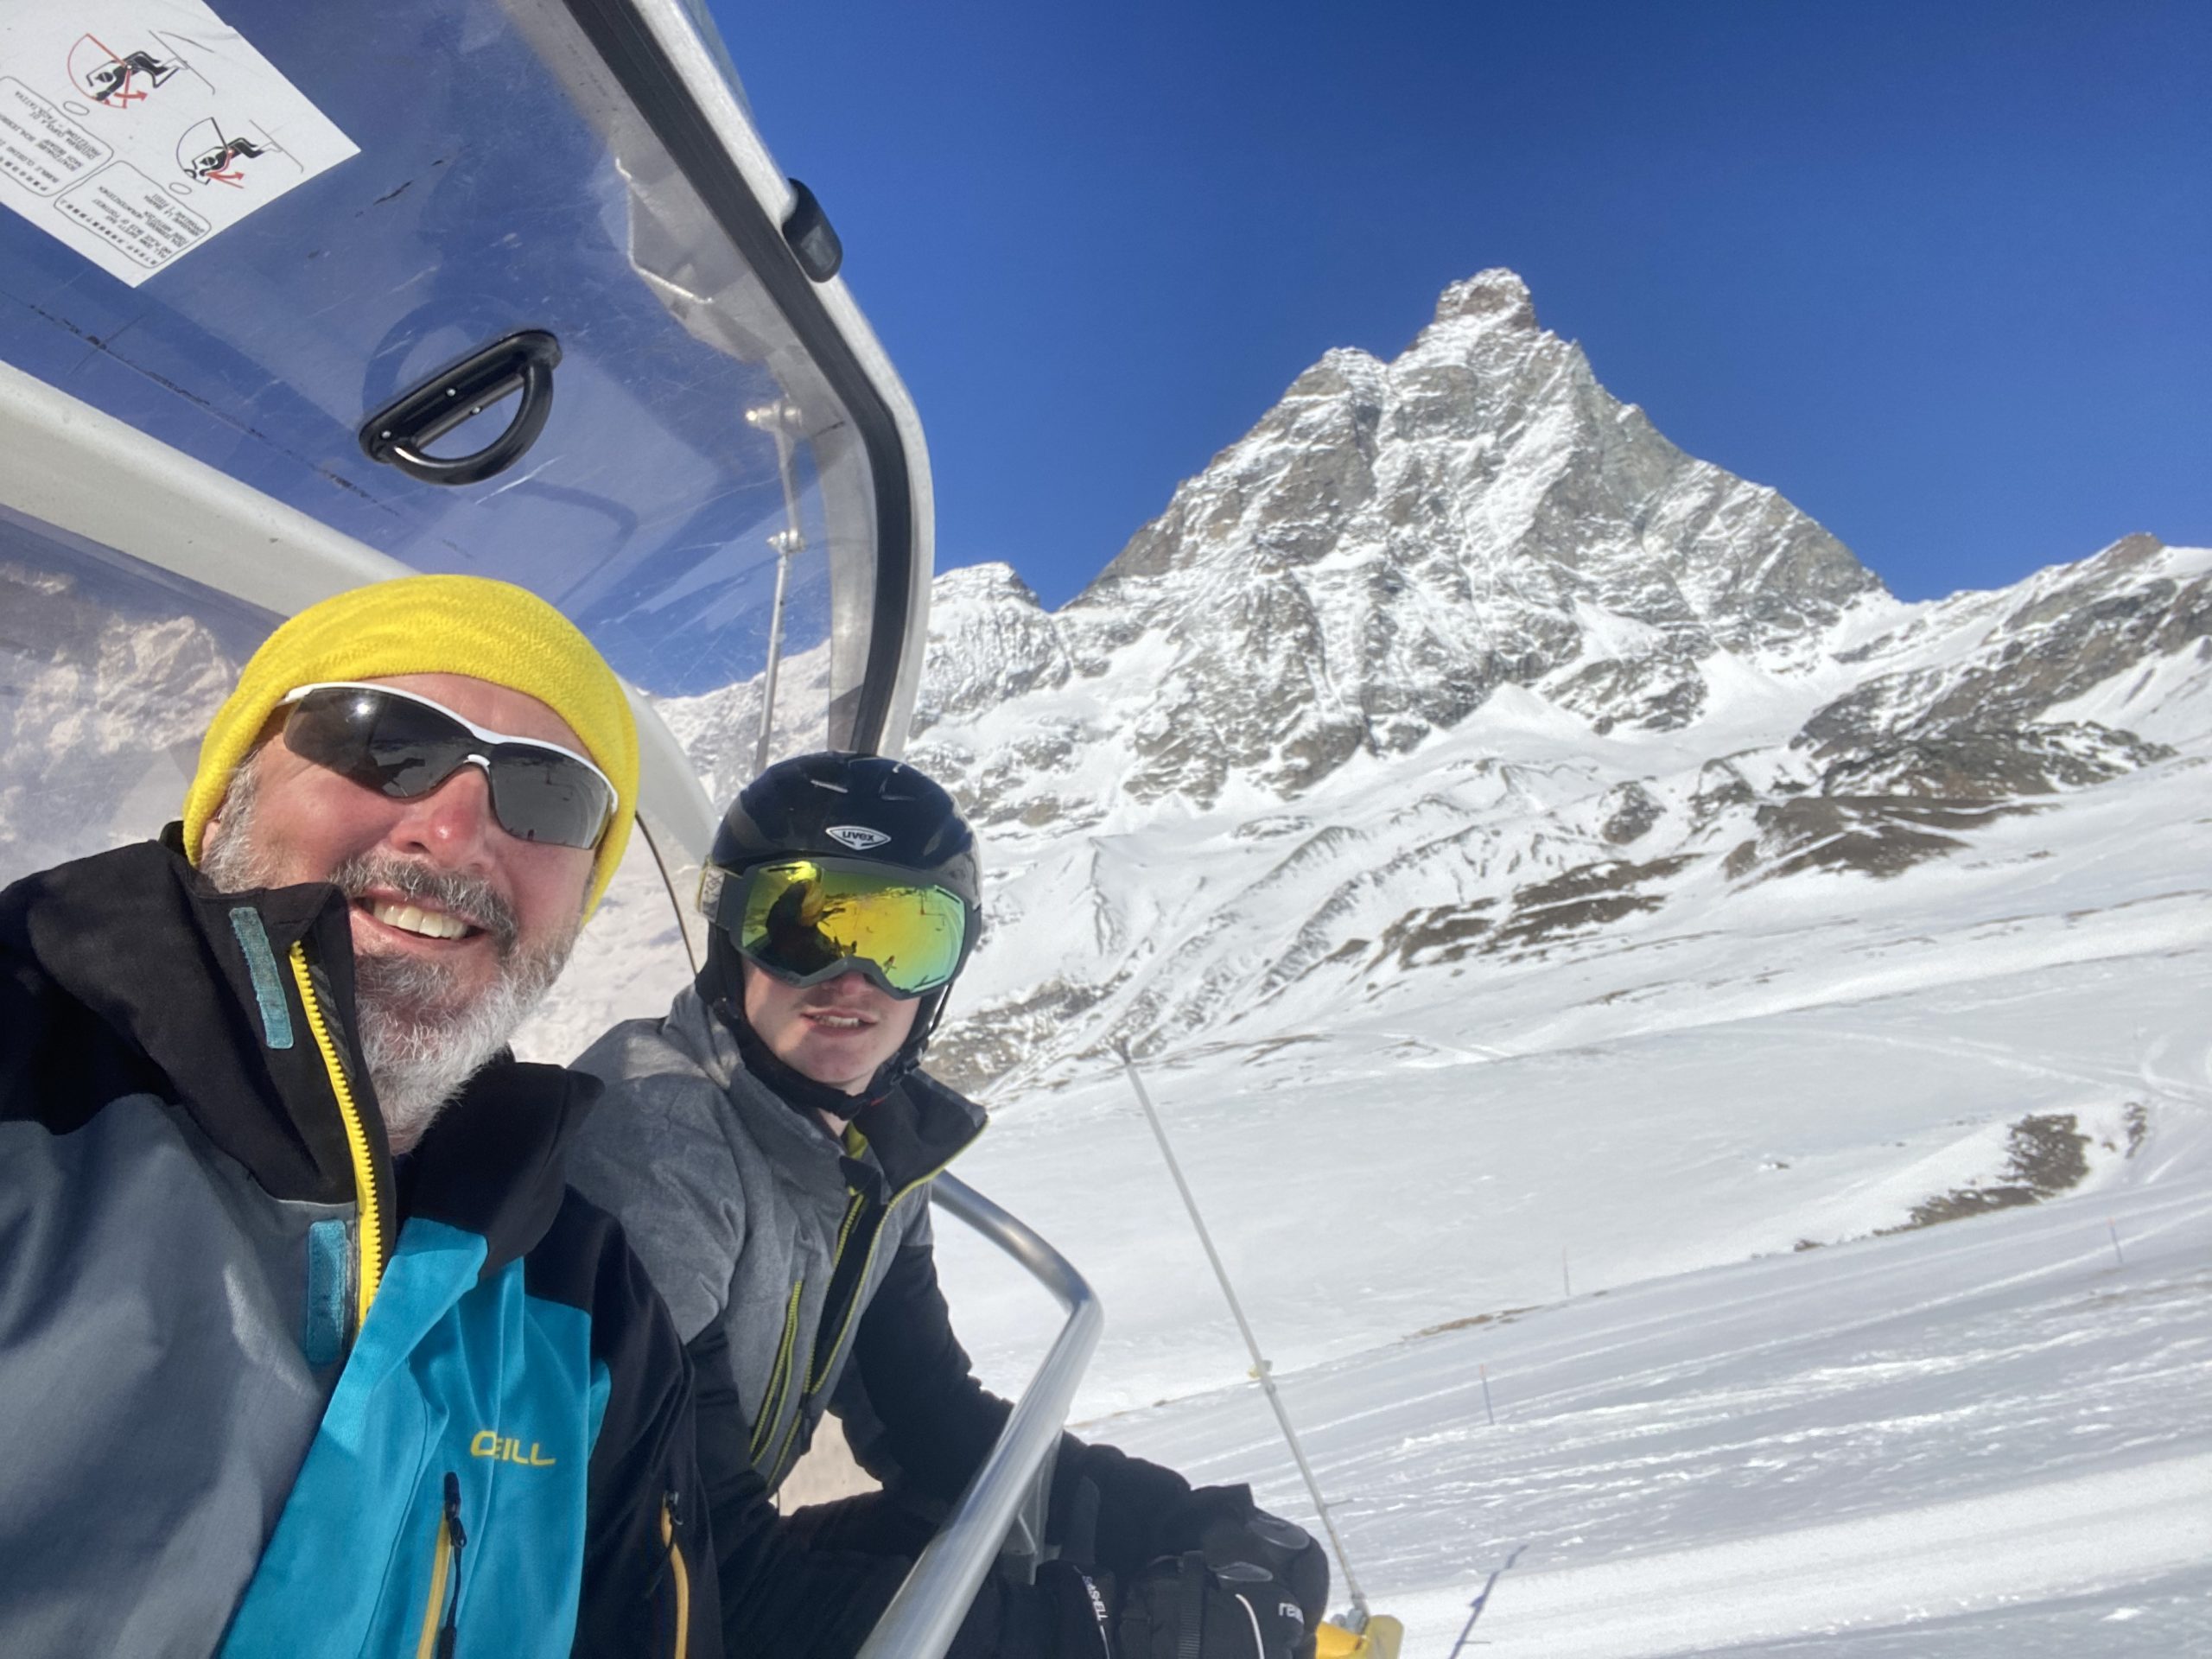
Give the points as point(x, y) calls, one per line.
point(837, 1032)
point(458, 926)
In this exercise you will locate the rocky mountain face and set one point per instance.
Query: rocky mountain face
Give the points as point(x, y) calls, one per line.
point(1455, 659)
point(1389, 546)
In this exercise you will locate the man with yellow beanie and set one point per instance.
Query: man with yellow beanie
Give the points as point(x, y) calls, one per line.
point(305, 1346)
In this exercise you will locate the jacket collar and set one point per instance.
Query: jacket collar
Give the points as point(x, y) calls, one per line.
point(195, 986)
point(494, 1162)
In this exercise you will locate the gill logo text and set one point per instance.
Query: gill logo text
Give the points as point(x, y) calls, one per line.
point(490, 1443)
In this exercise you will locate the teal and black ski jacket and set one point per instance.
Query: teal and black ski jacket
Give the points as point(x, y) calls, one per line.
point(267, 1393)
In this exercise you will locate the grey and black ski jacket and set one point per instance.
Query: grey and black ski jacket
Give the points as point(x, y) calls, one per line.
point(265, 1392)
point(802, 1276)
point(766, 1236)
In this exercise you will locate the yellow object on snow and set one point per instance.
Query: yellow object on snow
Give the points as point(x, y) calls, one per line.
point(1380, 1640)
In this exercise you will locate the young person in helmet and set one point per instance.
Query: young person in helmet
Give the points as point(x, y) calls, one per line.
point(768, 1145)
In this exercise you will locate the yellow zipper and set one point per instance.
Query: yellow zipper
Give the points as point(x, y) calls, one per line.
point(426, 1646)
point(813, 1377)
point(780, 1380)
point(683, 1580)
point(778, 1376)
point(855, 1204)
point(357, 1140)
point(852, 1306)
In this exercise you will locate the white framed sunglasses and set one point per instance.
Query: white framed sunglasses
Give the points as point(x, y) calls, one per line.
point(404, 746)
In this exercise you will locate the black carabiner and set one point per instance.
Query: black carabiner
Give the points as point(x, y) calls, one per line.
point(397, 435)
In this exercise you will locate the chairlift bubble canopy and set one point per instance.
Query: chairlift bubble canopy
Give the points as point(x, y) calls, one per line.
point(187, 441)
point(204, 401)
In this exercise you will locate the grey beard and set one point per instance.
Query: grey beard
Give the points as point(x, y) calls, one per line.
point(418, 1047)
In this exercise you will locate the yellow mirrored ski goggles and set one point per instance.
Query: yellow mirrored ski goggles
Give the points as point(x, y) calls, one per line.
point(808, 920)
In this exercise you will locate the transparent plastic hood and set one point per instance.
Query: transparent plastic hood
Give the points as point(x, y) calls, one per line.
point(505, 179)
point(354, 201)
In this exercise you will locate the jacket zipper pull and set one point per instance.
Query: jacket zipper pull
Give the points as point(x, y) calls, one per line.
point(671, 1526)
point(456, 1539)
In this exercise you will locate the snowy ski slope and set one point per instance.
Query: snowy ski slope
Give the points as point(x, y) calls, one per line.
point(1985, 1438)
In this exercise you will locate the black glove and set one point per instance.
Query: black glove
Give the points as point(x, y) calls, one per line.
point(1182, 1608)
point(1223, 1524)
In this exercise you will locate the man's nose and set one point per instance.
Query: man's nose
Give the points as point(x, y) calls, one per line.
point(453, 825)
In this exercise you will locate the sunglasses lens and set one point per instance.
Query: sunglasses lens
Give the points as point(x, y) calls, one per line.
point(802, 917)
point(388, 744)
point(402, 747)
point(541, 796)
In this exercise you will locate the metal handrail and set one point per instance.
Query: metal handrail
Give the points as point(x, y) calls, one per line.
point(924, 1615)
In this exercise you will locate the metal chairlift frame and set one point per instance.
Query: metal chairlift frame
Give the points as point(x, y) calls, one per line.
point(74, 467)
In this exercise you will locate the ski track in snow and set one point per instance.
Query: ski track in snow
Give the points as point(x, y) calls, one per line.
point(1913, 1441)
point(1944, 1561)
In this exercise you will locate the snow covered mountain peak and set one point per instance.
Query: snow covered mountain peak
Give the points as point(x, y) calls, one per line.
point(1387, 547)
point(1497, 296)
point(1454, 659)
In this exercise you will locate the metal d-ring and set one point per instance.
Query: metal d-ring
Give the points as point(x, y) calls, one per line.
point(397, 434)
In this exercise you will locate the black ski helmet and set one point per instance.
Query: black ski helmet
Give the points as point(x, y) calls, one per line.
point(847, 806)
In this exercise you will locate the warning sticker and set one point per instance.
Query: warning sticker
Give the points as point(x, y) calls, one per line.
point(40, 147)
point(127, 210)
point(136, 131)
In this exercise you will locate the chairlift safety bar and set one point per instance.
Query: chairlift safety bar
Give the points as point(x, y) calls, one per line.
point(926, 1614)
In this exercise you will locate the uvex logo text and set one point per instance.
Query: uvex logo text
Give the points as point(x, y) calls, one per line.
point(490, 1443)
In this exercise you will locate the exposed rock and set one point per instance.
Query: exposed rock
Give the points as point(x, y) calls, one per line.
point(2065, 632)
point(1967, 764)
point(1391, 543)
point(1442, 933)
point(1880, 835)
point(985, 618)
point(2046, 1155)
point(1581, 899)
point(1631, 811)
point(1494, 296)
point(988, 1042)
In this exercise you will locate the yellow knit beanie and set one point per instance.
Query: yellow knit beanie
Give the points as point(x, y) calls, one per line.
point(432, 625)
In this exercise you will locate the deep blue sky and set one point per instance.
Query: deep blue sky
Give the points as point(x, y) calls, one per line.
point(1940, 273)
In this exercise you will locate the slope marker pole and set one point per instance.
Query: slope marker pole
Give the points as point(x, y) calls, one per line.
point(2113, 1227)
point(1487, 1412)
point(1260, 1368)
point(1475, 1609)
